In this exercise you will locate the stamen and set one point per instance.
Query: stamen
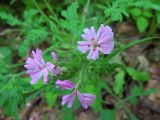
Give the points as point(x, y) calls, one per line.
point(39, 68)
point(95, 44)
point(92, 39)
point(94, 49)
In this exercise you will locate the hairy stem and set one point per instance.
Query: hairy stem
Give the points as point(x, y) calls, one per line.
point(85, 12)
point(51, 10)
point(121, 49)
point(153, 27)
point(15, 65)
point(41, 11)
point(119, 101)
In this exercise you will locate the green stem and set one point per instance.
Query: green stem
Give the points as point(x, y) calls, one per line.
point(121, 49)
point(15, 65)
point(40, 10)
point(119, 101)
point(15, 75)
point(19, 74)
point(126, 108)
point(153, 27)
point(32, 92)
point(81, 75)
point(51, 10)
point(108, 21)
point(85, 12)
point(48, 6)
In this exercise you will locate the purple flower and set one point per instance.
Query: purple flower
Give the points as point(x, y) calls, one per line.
point(37, 67)
point(65, 84)
point(69, 99)
point(95, 42)
point(56, 71)
point(54, 55)
point(86, 99)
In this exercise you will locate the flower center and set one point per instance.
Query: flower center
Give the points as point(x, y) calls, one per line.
point(39, 67)
point(95, 44)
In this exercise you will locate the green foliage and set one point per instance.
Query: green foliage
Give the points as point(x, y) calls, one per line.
point(31, 27)
point(107, 114)
point(71, 22)
point(147, 14)
point(133, 117)
point(117, 10)
point(67, 114)
point(29, 15)
point(146, 4)
point(140, 10)
point(138, 91)
point(138, 75)
point(141, 18)
point(51, 95)
point(90, 88)
point(142, 24)
point(5, 54)
point(119, 82)
point(158, 17)
point(10, 97)
point(9, 19)
point(35, 36)
point(136, 12)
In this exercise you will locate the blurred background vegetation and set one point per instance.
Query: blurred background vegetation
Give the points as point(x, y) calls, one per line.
point(57, 25)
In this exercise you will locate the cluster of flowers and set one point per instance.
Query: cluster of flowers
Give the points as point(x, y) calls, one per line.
point(101, 41)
